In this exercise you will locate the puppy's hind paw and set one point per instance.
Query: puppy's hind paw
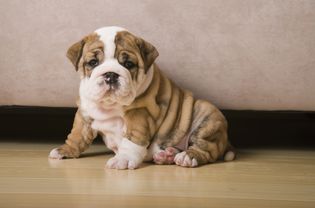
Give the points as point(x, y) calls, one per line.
point(165, 157)
point(184, 160)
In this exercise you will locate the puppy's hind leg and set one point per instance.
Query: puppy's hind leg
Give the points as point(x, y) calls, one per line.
point(208, 139)
point(202, 151)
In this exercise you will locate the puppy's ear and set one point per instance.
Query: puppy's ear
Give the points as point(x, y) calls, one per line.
point(148, 52)
point(74, 53)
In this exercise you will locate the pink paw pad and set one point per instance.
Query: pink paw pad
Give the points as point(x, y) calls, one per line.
point(165, 157)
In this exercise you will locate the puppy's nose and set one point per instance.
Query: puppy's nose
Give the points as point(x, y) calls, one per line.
point(111, 77)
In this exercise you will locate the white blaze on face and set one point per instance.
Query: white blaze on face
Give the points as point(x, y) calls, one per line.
point(107, 35)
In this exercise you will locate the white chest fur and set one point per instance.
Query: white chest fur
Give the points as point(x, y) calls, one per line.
point(109, 122)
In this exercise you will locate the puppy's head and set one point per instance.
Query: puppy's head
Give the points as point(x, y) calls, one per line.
point(114, 65)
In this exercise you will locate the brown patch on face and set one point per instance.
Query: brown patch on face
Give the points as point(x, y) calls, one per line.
point(83, 52)
point(125, 57)
point(134, 49)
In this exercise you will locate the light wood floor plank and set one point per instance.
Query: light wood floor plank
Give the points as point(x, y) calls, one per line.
point(258, 178)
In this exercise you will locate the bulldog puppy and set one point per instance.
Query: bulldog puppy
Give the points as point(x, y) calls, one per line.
point(141, 114)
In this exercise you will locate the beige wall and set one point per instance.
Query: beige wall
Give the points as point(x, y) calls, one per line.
point(240, 54)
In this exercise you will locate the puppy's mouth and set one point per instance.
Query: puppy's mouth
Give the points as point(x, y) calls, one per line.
point(114, 88)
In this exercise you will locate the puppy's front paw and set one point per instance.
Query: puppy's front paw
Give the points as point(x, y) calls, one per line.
point(184, 160)
point(64, 151)
point(122, 162)
point(55, 154)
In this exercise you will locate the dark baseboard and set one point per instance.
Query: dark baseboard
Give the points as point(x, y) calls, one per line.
point(246, 128)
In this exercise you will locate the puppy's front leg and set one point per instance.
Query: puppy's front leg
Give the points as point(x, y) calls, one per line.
point(78, 140)
point(129, 156)
point(133, 147)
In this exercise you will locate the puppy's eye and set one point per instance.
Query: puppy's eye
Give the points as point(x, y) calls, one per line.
point(129, 65)
point(93, 63)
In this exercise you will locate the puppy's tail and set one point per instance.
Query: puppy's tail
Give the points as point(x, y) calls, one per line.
point(230, 153)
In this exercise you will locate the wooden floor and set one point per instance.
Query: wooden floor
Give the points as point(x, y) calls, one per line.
point(258, 178)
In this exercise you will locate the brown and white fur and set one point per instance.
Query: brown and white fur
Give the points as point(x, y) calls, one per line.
point(144, 116)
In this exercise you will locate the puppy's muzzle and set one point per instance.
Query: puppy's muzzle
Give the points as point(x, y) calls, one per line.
point(111, 78)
